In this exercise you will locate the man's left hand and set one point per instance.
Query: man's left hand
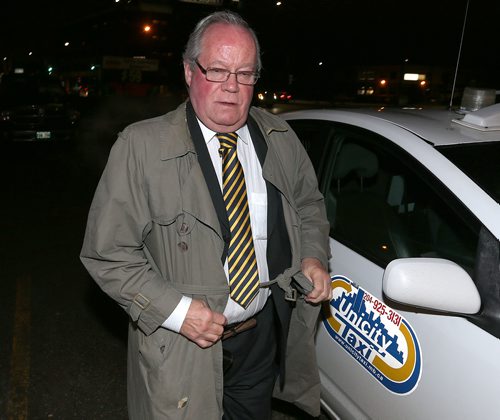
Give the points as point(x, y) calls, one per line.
point(320, 279)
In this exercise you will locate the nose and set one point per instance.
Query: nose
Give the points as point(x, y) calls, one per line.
point(231, 84)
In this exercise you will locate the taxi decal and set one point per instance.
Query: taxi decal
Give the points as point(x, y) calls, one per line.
point(375, 335)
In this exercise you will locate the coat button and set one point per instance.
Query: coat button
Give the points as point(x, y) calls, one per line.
point(183, 246)
point(184, 228)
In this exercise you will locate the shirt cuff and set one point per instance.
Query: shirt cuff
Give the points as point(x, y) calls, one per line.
point(176, 318)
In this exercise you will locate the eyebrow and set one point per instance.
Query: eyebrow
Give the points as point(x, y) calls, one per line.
point(218, 64)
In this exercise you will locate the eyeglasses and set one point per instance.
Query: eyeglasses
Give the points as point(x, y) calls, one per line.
point(213, 74)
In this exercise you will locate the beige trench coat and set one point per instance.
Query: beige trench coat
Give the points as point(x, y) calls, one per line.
point(153, 235)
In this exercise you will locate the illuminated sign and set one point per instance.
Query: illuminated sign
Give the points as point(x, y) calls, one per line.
point(375, 335)
point(413, 77)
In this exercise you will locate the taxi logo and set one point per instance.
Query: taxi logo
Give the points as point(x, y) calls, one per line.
point(375, 335)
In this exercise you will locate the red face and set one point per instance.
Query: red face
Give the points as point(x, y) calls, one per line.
point(222, 107)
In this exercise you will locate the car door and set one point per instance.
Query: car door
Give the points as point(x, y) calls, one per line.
point(379, 359)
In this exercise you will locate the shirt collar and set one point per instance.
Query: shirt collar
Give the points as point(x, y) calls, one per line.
point(209, 135)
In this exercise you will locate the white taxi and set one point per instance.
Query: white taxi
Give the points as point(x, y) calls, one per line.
point(412, 195)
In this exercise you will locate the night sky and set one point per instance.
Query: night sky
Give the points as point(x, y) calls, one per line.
point(306, 32)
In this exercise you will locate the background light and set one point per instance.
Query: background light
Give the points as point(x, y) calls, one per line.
point(413, 77)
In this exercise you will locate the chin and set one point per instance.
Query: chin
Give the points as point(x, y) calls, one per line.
point(231, 122)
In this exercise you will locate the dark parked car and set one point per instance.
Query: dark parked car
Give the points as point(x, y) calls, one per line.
point(33, 109)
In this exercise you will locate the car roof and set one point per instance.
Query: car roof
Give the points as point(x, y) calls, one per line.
point(438, 127)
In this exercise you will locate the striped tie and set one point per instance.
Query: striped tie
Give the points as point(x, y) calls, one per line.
point(242, 263)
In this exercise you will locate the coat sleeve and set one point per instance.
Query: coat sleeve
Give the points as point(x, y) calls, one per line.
point(113, 249)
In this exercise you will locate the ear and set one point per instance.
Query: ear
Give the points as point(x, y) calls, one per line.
point(188, 73)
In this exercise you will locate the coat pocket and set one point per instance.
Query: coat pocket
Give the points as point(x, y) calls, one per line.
point(154, 348)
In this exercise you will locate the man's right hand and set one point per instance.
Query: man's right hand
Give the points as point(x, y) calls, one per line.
point(202, 325)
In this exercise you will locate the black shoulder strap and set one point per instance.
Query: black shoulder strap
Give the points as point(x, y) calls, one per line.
point(208, 171)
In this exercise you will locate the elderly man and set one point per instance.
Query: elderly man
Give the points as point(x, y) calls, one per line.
point(203, 224)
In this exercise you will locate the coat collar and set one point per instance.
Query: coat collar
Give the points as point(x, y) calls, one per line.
point(176, 127)
point(268, 122)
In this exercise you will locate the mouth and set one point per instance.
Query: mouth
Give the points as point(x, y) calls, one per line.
point(227, 103)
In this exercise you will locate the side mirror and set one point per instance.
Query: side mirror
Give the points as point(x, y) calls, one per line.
point(431, 283)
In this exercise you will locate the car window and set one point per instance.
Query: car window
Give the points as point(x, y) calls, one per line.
point(315, 135)
point(480, 162)
point(381, 202)
point(385, 205)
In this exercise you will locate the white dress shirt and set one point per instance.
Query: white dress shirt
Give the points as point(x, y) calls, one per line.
point(257, 201)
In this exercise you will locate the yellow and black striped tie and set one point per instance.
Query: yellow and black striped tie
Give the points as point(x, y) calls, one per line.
point(242, 263)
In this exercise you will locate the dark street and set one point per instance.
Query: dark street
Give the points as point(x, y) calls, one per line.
point(63, 352)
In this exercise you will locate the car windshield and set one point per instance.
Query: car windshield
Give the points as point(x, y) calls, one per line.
point(480, 161)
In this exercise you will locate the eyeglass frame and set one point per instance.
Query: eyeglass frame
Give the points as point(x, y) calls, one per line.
point(204, 71)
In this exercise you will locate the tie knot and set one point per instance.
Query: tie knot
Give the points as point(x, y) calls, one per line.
point(227, 140)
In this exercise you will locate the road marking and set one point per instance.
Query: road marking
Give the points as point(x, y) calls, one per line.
point(17, 401)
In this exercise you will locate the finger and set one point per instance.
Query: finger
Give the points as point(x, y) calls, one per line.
point(216, 331)
point(209, 337)
point(204, 344)
point(322, 291)
point(218, 318)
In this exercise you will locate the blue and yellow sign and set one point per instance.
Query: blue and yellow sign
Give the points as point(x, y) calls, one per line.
point(377, 336)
